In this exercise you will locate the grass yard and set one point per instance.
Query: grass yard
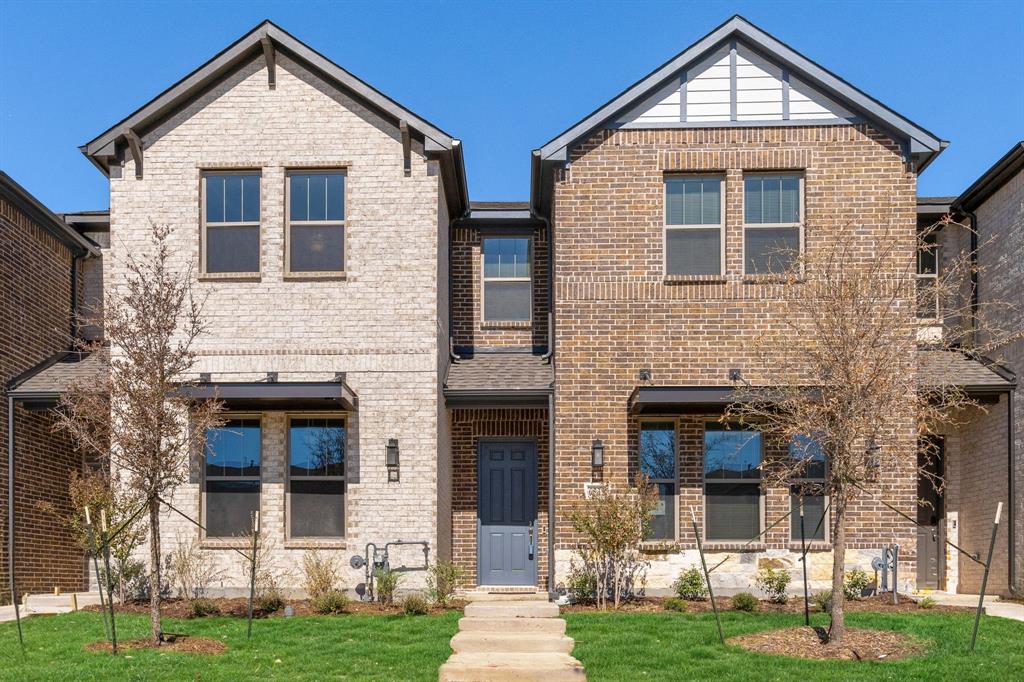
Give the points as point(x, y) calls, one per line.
point(349, 647)
point(683, 646)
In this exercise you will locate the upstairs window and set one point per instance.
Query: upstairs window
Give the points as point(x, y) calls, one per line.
point(658, 464)
point(231, 223)
point(772, 222)
point(732, 483)
point(232, 477)
point(507, 289)
point(928, 275)
point(809, 484)
point(315, 233)
point(694, 218)
point(316, 477)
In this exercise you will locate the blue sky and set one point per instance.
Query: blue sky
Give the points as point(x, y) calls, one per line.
point(504, 77)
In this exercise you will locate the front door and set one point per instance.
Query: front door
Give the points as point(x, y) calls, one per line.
point(507, 513)
point(931, 551)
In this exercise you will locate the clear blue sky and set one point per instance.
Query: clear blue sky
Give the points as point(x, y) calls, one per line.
point(504, 77)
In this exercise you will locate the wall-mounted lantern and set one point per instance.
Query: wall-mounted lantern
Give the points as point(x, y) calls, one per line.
point(597, 454)
point(391, 459)
point(874, 462)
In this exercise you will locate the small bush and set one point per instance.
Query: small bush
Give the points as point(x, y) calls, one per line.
point(271, 601)
point(319, 573)
point(774, 583)
point(442, 579)
point(199, 608)
point(690, 585)
point(387, 583)
point(331, 602)
point(823, 600)
point(415, 605)
point(926, 603)
point(581, 585)
point(744, 601)
point(856, 581)
point(676, 604)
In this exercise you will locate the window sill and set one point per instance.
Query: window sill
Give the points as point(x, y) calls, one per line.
point(694, 279)
point(520, 324)
point(331, 543)
point(772, 279)
point(817, 546)
point(230, 276)
point(225, 543)
point(659, 546)
point(317, 276)
point(734, 547)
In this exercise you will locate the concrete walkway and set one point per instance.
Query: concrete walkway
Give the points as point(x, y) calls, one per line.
point(511, 640)
point(49, 603)
point(993, 605)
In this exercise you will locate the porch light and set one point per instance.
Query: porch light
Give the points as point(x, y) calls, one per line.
point(597, 454)
point(391, 458)
point(872, 451)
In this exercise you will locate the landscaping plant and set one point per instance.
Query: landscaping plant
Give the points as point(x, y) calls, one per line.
point(856, 581)
point(330, 603)
point(926, 603)
point(676, 604)
point(443, 578)
point(823, 600)
point(773, 582)
point(386, 584)
point(415, 605)
point(744, 601)
point(198, 608)
point(690, 585)
point(580, 584)
point(191, 570)
point(320, 573)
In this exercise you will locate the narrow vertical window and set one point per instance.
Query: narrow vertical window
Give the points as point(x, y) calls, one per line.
point(732, 483)
point(507, 289)
point(316, 477)
point(809, 484)
point(772, 223)
point(231, 223)
point(316, 222)
point(658, 464)
point(232, 477)
point(928, 275)
point(693, 225)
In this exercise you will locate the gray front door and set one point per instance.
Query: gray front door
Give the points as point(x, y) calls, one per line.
point(931, 546)
point(507, 513)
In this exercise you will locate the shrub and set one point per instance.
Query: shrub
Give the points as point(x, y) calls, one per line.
point(330, 602)
point(823, 600)
point(191, 570)
point(415, 605)
point(690, 585)
point(926, 603)
point(744, 601)
point(610, 524)
point(676, 604)
point(319, 574)
point(387, 582)
point(198, 608)
point(442, 579)
point(774, 583)
point(580, 584)
point(856, 581)
point(271, 601)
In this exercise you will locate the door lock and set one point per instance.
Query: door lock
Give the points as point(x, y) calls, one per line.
point(531, 540)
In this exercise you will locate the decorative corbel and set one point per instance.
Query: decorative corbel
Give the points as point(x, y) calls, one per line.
point(403, 126)
point(271, 57)
point(135, 147)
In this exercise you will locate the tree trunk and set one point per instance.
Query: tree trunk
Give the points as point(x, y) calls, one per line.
point(838, 624)
point(154, 571)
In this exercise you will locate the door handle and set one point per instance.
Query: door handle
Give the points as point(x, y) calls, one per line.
point(531, 539)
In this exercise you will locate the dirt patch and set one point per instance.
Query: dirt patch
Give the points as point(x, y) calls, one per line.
point(239, 608)
point(858, 644)
point(179, 643)
point(878, 604)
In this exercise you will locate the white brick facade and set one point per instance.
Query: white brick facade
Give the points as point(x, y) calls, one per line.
point(381, 325)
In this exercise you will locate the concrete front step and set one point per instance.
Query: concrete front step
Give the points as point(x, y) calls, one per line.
point(511, 642)
point(512, 609)
point(483, 595)
point(37, 602)
point(551, 626)
point(510, 667)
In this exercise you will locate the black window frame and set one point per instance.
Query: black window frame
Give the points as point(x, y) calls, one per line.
point(206, 225)
point(207, 478)
point(657, 482)
point(325, 223)
point(342, 479)
point(735, 481)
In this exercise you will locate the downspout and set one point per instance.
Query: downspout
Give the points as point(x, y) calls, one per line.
point(10, 499)
point(1011, 492)
point(74, 296)
point(974, 271)
point(552, 592)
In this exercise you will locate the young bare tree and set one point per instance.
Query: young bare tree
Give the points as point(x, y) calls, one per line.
point(836, 372)
point(134, 414)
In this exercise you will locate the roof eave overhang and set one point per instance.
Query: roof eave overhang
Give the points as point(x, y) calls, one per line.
point(497, 398)
point(921, 145)
point(25, 202)
point(995, 177)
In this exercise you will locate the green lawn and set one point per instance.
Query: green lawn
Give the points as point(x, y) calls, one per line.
point(680, 646)
point(352, 647)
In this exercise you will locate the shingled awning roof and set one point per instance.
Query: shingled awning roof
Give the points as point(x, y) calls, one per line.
point(953, 368)
point(42, 386)
point(494, 379)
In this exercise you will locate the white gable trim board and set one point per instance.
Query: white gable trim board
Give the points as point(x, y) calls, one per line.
point(735, 85)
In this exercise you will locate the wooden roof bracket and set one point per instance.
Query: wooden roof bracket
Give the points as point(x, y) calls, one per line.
point(135, 147)
point(271, 57)
point(403, 126)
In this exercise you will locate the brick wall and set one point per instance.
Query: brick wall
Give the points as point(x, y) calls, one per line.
point(381, 324)
point(467, 271)
point(617, 314)
point(35, 320)
point(467, 428)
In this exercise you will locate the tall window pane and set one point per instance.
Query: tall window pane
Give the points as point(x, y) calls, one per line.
point(693, 225)
point(507, 288)
point(316, 222)
point(809, 486)
point(772, 223)
point(732, 489)
point(232, 477)
point(316, 477)
point(231, 229)
point(658, 464)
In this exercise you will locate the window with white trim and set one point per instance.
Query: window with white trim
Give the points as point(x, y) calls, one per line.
point(694, 222)
point(928, 274)
point(808, 484)
point(231, 223)
point(507, 287)
point(316, 477)
point(772, 222)
point(315, 230)
point(732, 483)
point(658, 464)
point(232, 477)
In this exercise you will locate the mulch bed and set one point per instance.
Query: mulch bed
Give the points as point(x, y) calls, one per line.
point(178, 643)
point(805, 642)
point(238, 607)
point(878, 603)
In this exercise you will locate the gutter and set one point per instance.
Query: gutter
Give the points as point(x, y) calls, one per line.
point(10, 499)
point(552, 595)
point(1011, 494)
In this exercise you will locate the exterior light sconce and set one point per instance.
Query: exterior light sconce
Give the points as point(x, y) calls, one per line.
point(597, 454)
point(391, 459)
point(874, 463)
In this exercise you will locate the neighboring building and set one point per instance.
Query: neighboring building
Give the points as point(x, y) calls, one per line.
point(403, 365)
point(42, 261)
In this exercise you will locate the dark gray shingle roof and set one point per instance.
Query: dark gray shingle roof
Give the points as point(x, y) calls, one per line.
point(55, 376)
point(953, 368)
point(505, 371)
